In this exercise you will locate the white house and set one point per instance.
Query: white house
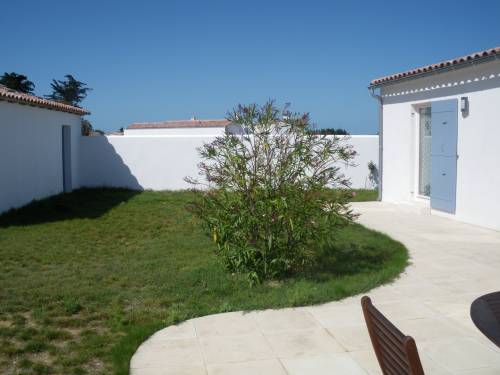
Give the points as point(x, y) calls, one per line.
point(39, 147)
point(193, 127)
point(440, 137)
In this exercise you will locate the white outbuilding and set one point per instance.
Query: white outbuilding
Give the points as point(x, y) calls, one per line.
point(440, 137)
point(192, 127)
point(39, 147)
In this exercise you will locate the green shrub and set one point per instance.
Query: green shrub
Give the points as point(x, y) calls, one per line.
point(374, 174)
point(265, 206)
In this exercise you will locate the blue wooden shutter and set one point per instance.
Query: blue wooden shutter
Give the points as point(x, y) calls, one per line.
point(444, 120)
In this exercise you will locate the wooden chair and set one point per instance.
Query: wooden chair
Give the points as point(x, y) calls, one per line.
point(396, 353)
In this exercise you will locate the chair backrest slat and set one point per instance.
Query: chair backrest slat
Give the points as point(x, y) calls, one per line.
point(388, 341)
point(396, 353)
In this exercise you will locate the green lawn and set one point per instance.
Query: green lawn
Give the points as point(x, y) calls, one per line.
point(86, 277)
point(364, 195)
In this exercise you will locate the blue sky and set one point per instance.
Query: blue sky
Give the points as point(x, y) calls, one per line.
point(162, 60)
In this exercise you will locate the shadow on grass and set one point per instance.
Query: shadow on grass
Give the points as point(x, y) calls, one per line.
point(79, 204)
point(353, 252)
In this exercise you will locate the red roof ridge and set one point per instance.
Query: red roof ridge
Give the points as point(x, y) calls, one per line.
point(192, 123)
point(11, 95)
point(438, 66)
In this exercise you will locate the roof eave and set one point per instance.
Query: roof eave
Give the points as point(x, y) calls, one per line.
point(75, 110)
point(438, 70)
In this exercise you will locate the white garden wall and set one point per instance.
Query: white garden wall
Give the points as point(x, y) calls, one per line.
point(31, 153)
point(366, 147)
point(31, 160)
point(162, 162)
point(156, 162)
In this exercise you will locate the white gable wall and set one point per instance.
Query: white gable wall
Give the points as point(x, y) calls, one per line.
point(478, 164)
point(31, 153)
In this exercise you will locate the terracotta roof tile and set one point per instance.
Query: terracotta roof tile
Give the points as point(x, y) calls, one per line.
point(181, 124)
point(23, 98)
point(441, 65)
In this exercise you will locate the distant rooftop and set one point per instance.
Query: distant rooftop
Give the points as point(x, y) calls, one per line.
point(192, 123)
point(14, 96)
point(443, 65)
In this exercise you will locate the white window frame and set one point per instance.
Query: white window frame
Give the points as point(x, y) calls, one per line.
point(416, 146)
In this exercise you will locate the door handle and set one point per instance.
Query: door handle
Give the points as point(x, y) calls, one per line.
point(443, 174)
point(445, 122)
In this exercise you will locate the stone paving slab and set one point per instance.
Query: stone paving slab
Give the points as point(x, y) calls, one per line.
point(452, 264)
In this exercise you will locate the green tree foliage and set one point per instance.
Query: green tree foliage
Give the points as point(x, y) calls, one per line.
point(69, 91)
point(266, 204)
point(329, 131)
point(18, 82)
point(86, 127)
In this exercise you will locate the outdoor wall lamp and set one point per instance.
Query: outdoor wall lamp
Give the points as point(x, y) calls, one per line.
point(464, 105)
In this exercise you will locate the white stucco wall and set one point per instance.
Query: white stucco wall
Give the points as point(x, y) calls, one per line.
point(215, 131)
point(156, 162)
point(162, 162)
point(31, 157)
point(478, 164)
point(31, 153)
point(366, 147)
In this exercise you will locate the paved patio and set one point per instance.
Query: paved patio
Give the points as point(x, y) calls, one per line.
point(453, 263)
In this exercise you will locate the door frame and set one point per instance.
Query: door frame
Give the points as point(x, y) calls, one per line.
point(67, 174)
point(416, 152)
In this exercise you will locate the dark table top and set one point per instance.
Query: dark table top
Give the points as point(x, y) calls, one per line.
point(485, 313)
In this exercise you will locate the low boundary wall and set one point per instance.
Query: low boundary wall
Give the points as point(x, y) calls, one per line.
point(162, 162)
